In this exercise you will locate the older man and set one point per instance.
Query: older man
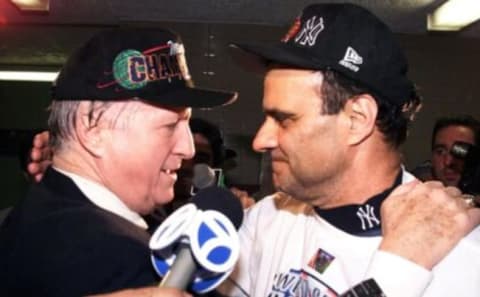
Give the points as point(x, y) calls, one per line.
point(119, 132)
point(337, 105)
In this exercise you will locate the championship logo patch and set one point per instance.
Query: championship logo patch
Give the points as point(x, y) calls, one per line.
point(320, 261)
point(123, 65)
point(133, 69)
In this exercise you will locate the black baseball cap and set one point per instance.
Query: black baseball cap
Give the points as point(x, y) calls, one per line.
point(344, 37)
point(125, 63)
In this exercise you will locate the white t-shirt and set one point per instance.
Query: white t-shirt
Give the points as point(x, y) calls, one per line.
point(287, 249)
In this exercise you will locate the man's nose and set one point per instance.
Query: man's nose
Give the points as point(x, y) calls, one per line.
point(185, 146)
point(266, 137)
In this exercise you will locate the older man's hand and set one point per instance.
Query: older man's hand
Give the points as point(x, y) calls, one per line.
point(424, 221)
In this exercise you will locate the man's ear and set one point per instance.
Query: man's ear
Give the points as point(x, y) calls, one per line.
point(362, 113)
point(90, 132)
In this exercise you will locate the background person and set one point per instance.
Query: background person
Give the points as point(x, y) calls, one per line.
point(448, 130)
point(209, 150)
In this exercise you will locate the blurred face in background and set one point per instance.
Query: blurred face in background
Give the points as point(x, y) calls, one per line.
point(203, 154)
point(445, 167)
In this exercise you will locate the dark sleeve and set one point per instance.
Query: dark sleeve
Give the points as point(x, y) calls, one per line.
point(90, 258)
point(122, 264)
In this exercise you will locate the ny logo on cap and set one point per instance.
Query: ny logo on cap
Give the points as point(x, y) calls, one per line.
point(351, 60)
point(310, 31)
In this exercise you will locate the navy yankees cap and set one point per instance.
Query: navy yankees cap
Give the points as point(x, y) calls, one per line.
point(125, 63)
point(344, 37)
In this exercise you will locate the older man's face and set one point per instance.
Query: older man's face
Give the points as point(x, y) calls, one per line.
point(146, 150)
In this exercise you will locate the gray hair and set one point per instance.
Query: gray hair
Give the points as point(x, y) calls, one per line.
point(63, 118)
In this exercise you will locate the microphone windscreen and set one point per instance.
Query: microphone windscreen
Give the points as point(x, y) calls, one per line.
point(221, 200)
point(203, 176)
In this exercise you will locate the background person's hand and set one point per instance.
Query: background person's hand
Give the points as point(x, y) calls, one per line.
point(40, 156)
point(423, 222)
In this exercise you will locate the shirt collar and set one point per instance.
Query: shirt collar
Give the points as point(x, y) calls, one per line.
point(361, 219)
point(105, 199)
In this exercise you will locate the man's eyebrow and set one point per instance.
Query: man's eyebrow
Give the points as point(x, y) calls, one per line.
point(439, 145)
point(277, 114)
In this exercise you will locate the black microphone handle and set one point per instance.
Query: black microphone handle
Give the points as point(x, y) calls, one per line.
point(183, 268)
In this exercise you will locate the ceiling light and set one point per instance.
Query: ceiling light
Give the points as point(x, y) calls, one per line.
point(32, 5)
point(453, 15)
point(46, 76)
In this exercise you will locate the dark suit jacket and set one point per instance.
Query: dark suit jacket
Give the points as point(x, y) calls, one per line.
point(58, 243)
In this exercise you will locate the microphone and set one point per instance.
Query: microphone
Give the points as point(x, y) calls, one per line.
point(198, 245)
point(204, 176)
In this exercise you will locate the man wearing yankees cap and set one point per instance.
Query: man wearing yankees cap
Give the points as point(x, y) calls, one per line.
point(337, 104)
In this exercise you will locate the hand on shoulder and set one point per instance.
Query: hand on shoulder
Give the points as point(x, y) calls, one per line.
point(423, 222)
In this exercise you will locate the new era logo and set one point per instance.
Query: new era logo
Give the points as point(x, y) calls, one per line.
point(351, 60)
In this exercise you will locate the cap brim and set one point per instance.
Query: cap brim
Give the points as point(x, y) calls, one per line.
point(194, 97)
point(256, 57)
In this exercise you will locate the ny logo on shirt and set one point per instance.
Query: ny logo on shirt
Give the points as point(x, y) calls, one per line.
point(366, 214)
